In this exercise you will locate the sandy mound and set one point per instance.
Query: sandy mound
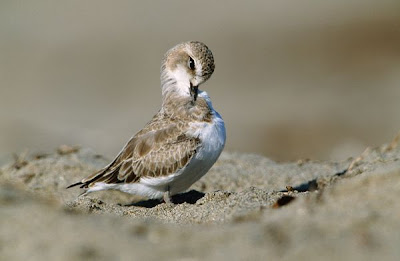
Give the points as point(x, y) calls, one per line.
point(240, 210)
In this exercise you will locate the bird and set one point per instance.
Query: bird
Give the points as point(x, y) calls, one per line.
point(180, 143)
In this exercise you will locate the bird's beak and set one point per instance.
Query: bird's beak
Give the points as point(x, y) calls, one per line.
point(194, 91)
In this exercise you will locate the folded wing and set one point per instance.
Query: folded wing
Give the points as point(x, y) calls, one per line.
point(153, 152)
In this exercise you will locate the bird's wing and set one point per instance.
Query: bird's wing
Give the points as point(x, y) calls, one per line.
point(160, 149)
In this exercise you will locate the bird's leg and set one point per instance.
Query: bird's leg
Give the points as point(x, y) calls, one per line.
point(167, 197)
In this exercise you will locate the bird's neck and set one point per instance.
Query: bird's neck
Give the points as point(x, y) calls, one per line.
point(176, 88)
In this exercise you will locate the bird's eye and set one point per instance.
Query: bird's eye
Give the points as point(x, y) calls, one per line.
point(191, 63)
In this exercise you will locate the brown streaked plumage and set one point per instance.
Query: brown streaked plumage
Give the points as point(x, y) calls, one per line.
point(185, 131)
point(162, 140)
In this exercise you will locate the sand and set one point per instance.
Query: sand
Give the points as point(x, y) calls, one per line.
point(246, 208)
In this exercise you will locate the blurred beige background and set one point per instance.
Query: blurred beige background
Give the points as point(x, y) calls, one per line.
point(293, 79)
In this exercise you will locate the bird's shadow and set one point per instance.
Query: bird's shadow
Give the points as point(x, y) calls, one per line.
point(190, 197)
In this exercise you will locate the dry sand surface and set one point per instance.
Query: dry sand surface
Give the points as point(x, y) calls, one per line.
point(241, 210)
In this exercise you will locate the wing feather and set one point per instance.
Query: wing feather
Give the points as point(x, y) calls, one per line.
point(157, 150)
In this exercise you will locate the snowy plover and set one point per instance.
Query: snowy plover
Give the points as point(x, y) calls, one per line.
point(182, 141)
